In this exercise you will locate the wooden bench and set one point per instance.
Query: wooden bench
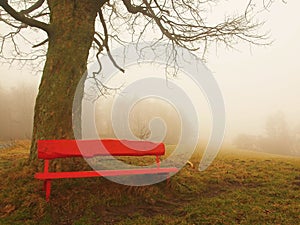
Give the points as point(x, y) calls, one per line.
point(53, 149)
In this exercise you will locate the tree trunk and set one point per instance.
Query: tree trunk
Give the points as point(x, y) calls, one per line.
point(70, 38)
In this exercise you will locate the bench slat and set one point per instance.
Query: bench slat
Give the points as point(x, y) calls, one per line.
point(52, 149)
point(104, 173)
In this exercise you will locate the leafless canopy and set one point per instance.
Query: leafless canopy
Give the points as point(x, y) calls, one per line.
point(179, 22)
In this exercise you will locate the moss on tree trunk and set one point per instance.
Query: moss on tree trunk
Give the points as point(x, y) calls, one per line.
point(70, 38)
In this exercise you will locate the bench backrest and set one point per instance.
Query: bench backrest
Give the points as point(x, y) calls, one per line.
point(52, 149)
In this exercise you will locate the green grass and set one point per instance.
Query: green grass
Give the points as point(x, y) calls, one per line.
point(238, 188)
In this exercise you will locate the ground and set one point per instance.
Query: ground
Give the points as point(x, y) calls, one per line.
point(240, 187)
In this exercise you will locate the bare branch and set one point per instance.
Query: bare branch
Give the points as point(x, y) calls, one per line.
point(41, 43)
point(105, 42)
point(22, 18)
point(176, 22)
point(35, 6)
point(135, 9)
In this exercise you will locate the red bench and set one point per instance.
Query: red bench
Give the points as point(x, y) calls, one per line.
point(53, 149)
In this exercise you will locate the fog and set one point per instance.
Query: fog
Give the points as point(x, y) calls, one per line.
point(260, 86)
point(16, 115)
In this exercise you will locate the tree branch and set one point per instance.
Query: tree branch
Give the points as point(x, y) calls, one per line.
point(135, 9)
point(105, 42)
point(22, 18)
point(35, 6)
point(41, 43)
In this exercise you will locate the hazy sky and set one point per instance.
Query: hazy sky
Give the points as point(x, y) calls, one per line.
point(265, 80)
point(255, 81)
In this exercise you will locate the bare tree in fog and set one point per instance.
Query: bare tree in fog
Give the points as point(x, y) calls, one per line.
point(71, 28)
point(140, 120)
point(296, 146)
point(279, 137)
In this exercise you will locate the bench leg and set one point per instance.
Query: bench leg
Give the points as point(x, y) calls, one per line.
point(47, 187)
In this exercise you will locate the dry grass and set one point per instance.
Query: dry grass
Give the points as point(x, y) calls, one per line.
point(239, 188)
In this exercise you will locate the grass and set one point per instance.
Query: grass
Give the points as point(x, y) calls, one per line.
point(240, 187)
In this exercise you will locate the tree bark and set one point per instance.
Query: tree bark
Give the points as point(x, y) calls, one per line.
point(70, 37)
